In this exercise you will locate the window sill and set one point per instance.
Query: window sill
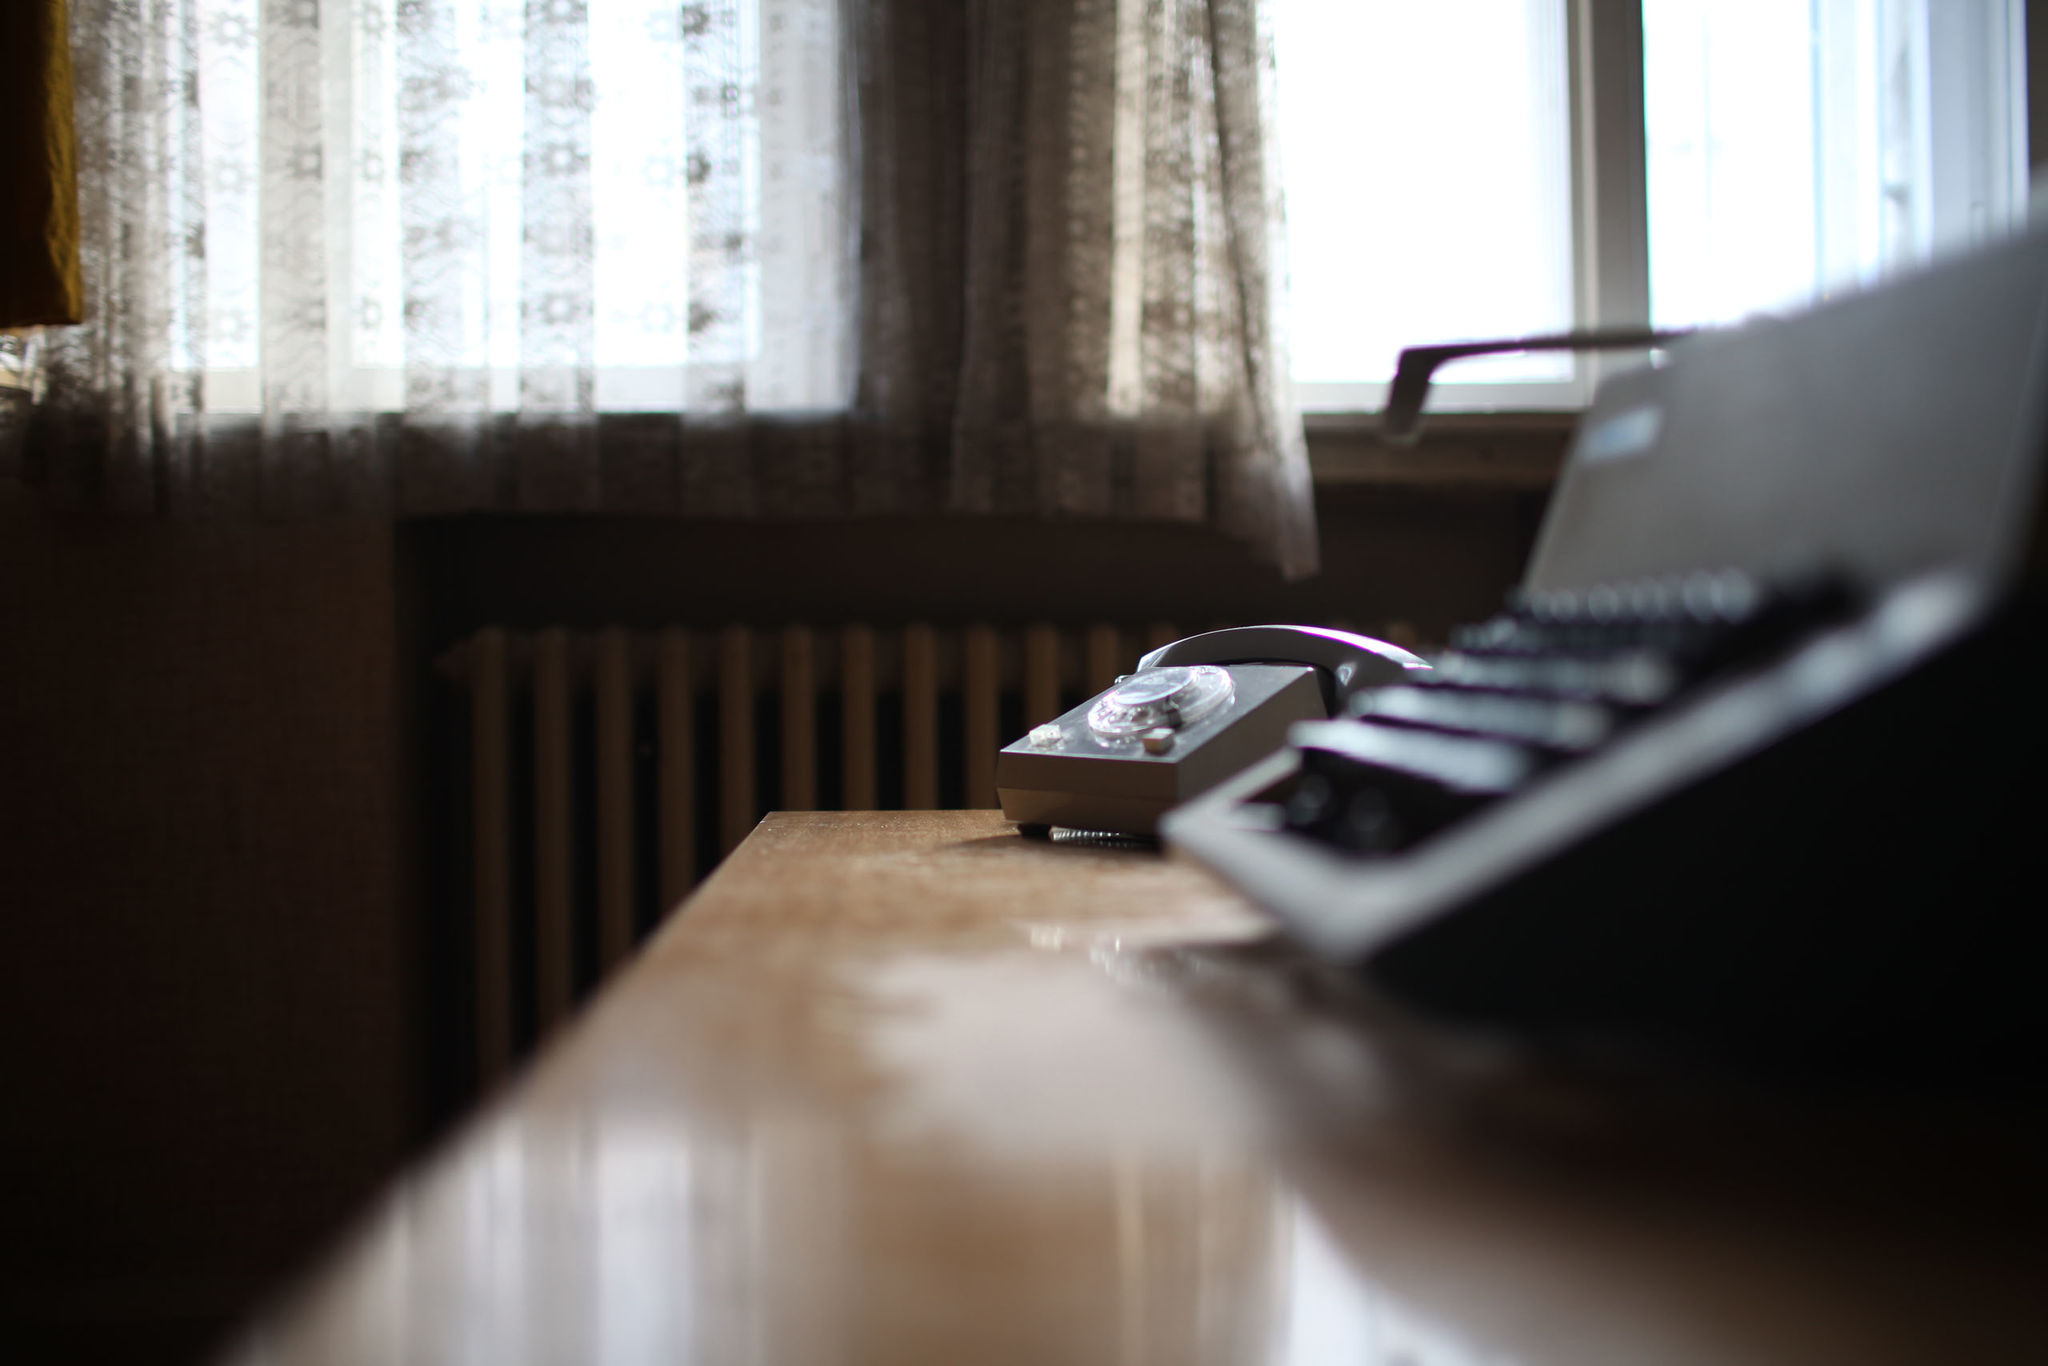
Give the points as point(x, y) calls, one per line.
point(1508, 451)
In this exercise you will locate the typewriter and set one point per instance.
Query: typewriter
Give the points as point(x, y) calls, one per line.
point(1750, 765)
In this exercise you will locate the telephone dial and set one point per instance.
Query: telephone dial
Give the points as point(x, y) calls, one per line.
point(1196, 712)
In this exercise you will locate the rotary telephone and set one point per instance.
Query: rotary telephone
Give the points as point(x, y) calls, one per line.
point(1196, 712)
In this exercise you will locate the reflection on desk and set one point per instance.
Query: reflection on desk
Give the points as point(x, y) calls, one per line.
point(905, 1088)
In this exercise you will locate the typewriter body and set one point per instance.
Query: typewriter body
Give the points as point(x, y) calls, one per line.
point(1750, 764)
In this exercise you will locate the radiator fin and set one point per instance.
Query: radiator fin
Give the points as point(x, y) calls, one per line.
point(676, 754)
point(980, 715)
point(857, 718)
point(736, 814)
point(1105, 658)
point(491, 840)
point(920, 719)
point(799, 721)
point(614, 799)
point(553, 811)
point(1041, 674)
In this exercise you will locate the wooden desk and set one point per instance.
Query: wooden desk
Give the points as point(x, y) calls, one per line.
point(905, 1088)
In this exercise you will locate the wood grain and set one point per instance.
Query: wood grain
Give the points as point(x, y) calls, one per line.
point(905, 1087)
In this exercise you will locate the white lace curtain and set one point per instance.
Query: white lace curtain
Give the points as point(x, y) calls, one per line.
point(737, 257)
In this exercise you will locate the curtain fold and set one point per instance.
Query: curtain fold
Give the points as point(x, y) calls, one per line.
point(1074, 261)
point(733, 257)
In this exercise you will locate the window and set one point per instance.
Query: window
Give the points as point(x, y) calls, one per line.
point(1494, 168)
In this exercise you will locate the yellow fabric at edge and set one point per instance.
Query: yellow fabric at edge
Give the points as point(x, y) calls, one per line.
point(40, 280)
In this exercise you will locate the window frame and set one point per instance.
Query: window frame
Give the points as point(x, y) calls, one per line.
point(1610, 251)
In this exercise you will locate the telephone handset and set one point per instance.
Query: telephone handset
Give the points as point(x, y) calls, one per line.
point(1196, 712)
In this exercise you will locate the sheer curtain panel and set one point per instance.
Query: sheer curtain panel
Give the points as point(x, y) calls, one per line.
point(1075, 268)
point(446, 255)
point(737, 257)
point(1124, 352)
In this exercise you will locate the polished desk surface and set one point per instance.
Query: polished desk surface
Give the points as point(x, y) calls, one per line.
point(906, 1088)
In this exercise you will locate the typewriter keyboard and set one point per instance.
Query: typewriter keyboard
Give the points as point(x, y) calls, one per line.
point(1551, 678)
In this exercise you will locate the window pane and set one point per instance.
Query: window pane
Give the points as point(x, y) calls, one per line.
point(1426, 150)
point(1800, 147)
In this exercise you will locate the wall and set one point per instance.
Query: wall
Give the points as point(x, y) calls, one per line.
point(204, 962)
point(1429, 557)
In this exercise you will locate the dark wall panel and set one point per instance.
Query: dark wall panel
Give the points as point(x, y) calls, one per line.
point(204, 962)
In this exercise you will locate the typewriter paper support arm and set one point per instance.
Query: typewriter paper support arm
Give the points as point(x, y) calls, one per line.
point(1401, 421)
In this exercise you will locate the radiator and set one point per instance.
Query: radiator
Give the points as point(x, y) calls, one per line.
point(608, 770)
